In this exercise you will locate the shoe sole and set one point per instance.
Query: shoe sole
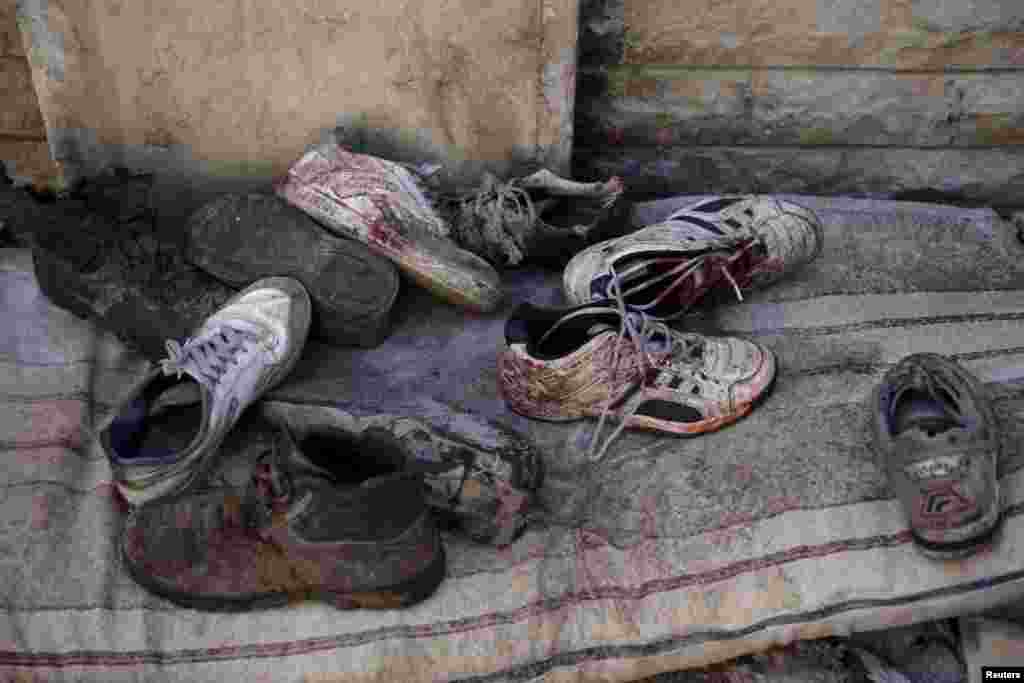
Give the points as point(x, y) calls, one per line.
point(956, 549)
point(184, 480)
point(334, 324)
point(403, 594)
point(652, 424)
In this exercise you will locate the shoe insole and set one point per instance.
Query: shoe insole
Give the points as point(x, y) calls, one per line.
point(917, 410)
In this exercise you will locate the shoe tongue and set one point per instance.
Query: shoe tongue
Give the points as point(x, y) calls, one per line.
point(184, 393)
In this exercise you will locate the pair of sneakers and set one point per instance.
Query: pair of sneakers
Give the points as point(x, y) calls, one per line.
point(611, 354)
point(339, 507)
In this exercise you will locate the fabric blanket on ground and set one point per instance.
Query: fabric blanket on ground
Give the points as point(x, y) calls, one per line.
point(674, 554)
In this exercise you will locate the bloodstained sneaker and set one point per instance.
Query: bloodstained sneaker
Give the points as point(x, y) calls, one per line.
point(241, 238)
point(292, 534)
point(380, 204)
point(664, 269)
point(165, 435)
point(594, 361)
point(935, 429)
point(481, 478)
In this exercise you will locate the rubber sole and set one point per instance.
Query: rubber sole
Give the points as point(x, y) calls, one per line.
point(332, 325)
point(658, 426)
point(404, 594)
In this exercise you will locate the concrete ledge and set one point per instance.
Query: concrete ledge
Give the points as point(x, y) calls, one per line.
point(991, 176)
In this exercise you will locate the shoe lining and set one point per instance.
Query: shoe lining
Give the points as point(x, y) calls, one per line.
point(349, 459)
point(572, 334)
point(135, 434)
point(917, 409)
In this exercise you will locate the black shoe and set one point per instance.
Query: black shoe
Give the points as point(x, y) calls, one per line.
point(111, 269)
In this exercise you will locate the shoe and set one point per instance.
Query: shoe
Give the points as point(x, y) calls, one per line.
point(936, 431)
point(120, 276)
point(241, 238)
point(541, 218)
point(166, 434)
point(481, 480)
point(379, 203)
point(594, 361)
point(290, 535)
point(663, 270)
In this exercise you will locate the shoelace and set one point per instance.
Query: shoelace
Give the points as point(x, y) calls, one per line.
point(642, 330)
point(495, 205)
point(684, 268)
point(208, 356)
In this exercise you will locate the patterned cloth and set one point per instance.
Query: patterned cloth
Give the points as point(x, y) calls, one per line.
point(682, 553)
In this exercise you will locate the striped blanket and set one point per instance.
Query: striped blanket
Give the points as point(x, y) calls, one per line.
point(676, 554)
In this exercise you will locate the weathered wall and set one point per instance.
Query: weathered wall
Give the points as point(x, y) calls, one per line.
point(23, 149)
point(821, 96)
point(237, 91)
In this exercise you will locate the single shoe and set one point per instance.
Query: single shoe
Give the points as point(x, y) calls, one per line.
point(241, 238)
point(292, 534)
point(541, 218)
point(380, 204)
point(595, 361)
point(662, 270)
point(936, 432)
point(166, 434)
point(481, 478)
point(120, 276)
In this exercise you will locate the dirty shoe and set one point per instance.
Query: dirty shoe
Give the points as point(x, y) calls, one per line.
point(936, 431)
point(480, 477)
point(120, 277)
point(664, 269)
point(166, 434)
point(241, 238)
point(379, 203)
point(593, 361)
point(291, 534)
point(541, 218)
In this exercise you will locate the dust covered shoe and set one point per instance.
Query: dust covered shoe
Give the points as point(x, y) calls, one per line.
point(292, 534)
point(481, 478)
point(120, 277)
point(241, 238)
point(541, 218)
point(380, 204)
point(165, 435)
point(664, 269)
point(936, 431)
point(593, 361)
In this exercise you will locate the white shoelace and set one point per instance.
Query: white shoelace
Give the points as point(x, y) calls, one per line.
point(643, 331)
point(208, 357)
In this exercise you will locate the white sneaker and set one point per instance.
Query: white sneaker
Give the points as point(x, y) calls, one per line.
point(167, 431)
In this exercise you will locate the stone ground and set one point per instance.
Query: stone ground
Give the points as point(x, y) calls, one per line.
point(926, 653)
